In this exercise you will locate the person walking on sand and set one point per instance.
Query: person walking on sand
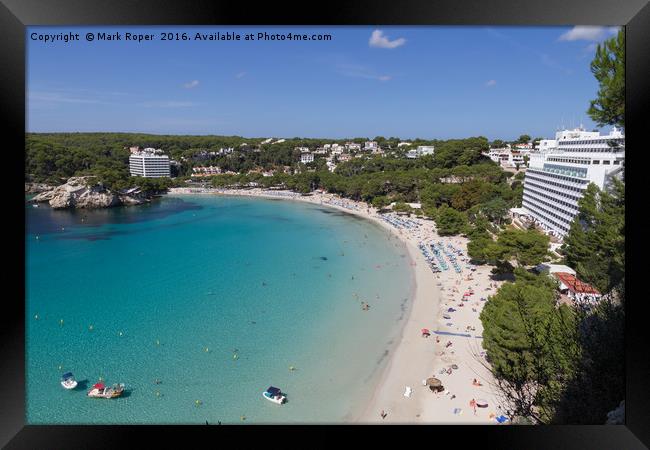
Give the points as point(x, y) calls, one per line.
point(383, 414)
point(472, 404)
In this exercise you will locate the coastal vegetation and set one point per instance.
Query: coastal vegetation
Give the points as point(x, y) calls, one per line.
point(454, 185)
point(608, 67)
point(595, 245)
point(555, 364)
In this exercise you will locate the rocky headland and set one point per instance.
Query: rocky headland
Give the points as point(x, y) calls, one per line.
point(84, 192)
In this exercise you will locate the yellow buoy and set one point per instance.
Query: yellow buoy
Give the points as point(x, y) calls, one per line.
point(198, 402)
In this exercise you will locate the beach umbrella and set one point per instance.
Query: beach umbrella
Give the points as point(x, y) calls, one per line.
point(433, 382)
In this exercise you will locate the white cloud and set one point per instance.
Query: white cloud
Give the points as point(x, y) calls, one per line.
point(491, 83)
point(587, 33)
point(240, 75)
point(57, 97)
point(378, 39)
point(360, 71)
point(191, 84)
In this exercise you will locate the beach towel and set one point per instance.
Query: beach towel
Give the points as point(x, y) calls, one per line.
point(408, 391)
point(502, 419)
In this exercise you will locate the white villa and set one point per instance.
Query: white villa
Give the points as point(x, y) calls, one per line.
point(370, 145)
point(421, 150)
point(306, 158)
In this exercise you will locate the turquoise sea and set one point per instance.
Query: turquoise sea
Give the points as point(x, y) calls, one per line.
point(215, 297)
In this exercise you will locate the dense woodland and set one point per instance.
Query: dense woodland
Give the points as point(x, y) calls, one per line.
point(456, 185)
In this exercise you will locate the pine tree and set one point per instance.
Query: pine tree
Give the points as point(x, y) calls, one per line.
point(608, 67)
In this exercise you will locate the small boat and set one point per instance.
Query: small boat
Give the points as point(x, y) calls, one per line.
point(68, 381)
point(274, 395)
point(100, 390)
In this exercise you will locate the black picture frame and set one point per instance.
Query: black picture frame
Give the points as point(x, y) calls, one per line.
point(15, 15)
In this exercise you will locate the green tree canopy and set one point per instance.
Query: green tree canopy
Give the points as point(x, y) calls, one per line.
point(449, 221)
point(527, 247)
point(595, 244)
point(608, 66)
point(531, 345)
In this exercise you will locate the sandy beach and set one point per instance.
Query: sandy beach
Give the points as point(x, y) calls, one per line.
point(452, 353)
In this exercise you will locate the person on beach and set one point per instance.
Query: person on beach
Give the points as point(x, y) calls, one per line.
point(383, 414)
point(472, 404)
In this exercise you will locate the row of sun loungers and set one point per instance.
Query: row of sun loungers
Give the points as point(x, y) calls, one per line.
point(400, 223)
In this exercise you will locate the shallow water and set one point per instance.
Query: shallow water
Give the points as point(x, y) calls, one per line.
point(216, 297)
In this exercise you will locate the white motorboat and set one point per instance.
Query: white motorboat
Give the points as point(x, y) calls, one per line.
point(68, 381)
point(274, 395)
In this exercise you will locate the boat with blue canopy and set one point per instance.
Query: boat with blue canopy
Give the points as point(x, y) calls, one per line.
point(68, 381)
point(274, 395)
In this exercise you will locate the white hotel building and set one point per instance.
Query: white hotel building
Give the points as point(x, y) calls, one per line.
point(561, 169)
point(149, 163)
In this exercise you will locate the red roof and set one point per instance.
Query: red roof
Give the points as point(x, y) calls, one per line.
point(575, 285)
point(99, 385)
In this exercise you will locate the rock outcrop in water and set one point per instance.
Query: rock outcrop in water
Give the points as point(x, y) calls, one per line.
point(36, 188)
point(83, 192)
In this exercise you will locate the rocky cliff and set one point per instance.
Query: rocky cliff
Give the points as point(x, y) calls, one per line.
point(85, 192)
point(35, 188)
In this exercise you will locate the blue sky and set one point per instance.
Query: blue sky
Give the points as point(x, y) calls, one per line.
point(427, 82)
